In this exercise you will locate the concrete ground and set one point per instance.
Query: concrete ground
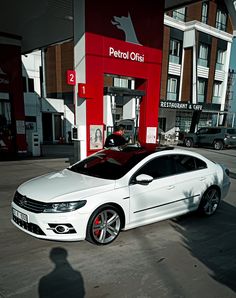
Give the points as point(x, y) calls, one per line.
point(184, 257)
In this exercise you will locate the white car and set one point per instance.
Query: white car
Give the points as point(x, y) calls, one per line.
point(115, 190)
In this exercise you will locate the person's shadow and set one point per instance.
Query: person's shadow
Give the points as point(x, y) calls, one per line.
point(63, 281)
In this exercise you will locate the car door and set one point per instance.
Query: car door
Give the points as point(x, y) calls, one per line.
point(148, 201)
point(203, 136)
point(191, 181)
point(176, 189)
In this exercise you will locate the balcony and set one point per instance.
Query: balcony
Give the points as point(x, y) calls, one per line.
point(202, 62)
point(216, 99)
point(201, 98)
point(174, 59)
point(219, 66)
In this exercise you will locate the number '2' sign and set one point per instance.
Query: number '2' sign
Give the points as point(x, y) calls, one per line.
point(71, 77)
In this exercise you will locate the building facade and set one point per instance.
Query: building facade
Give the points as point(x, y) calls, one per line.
point(194, 80)
point(195, 66)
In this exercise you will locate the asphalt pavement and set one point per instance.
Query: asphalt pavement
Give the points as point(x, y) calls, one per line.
point(184, 257)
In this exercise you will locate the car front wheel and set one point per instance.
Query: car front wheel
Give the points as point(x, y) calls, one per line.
point(218, 145)
point(188, 142)
point(210, 202)
point(104, 225)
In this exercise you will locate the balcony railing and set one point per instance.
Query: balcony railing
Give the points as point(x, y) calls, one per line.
point(201, 97)
point(219, 66)
point(174, 59)
point(202, 62)
point(216, 99)
point(171, 96)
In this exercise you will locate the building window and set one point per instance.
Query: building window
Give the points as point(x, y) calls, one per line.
point(221, 19)
point(201, 90)
point(179, 14)
point(204, 12)
point(220, 59)
point(121, 83)
point(172, 87)
point(217, 92)
point(203, 55)
point(175, 51)
point(30, 85)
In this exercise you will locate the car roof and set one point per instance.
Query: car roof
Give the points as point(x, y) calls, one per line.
point(148, 150)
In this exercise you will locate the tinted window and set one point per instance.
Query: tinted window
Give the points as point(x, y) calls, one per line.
point(214, 130)
point(109, 164)
point(185, 163)
point(231, 131)
point(202, 131)
point(159, 167)
point(200, 164)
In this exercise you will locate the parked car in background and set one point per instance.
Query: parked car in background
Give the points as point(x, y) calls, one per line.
point(118, 189)
point(217, 137)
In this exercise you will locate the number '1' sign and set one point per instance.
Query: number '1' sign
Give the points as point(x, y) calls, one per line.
point(71, 77)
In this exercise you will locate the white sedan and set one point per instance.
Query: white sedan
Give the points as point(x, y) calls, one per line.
point(116, 190)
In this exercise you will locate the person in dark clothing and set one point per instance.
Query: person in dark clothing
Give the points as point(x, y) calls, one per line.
point(116, 139)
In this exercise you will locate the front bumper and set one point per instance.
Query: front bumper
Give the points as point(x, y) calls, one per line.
point(42, 225)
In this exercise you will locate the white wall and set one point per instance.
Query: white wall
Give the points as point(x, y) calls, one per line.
point(32, 63)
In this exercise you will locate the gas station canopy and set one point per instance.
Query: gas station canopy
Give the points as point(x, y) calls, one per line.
point(46, 22)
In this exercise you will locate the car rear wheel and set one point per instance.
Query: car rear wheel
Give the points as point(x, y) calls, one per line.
point(188, 142)
point(210, 201)
point(218, 145)
point(104, 225)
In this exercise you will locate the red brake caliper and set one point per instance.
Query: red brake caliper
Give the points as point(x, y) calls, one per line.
point(97, 221)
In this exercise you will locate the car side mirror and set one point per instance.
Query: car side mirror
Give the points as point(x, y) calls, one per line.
point(143, 179)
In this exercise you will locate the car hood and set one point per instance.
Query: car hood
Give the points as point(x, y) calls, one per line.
point(64, 186)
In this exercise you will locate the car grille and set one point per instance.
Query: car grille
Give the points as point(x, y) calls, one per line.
point(28, 226)
point(29, 204)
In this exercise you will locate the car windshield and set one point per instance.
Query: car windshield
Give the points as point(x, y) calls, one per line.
point(109, 164)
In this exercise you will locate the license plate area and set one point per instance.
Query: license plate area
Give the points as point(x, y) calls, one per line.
point(20, 215)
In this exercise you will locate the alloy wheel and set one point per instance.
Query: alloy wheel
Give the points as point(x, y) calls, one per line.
point(218, 145)
point(211, 201)
point(106, 226)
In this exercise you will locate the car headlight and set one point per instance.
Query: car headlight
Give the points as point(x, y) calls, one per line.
point(64, 206)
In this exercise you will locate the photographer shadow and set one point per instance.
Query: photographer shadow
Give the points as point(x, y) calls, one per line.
point(63, 281)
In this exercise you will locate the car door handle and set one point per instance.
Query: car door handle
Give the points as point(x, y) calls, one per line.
point(170, 187)
point(202, 178)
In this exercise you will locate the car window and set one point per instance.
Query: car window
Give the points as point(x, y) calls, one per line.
point(231, 131)
point(200, 164)
point(186, 163)
point(214, 130)
point(158, 167)
point(109, 164)
point(202, 131)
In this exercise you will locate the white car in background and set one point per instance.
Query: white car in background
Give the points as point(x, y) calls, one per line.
point(116, 190)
